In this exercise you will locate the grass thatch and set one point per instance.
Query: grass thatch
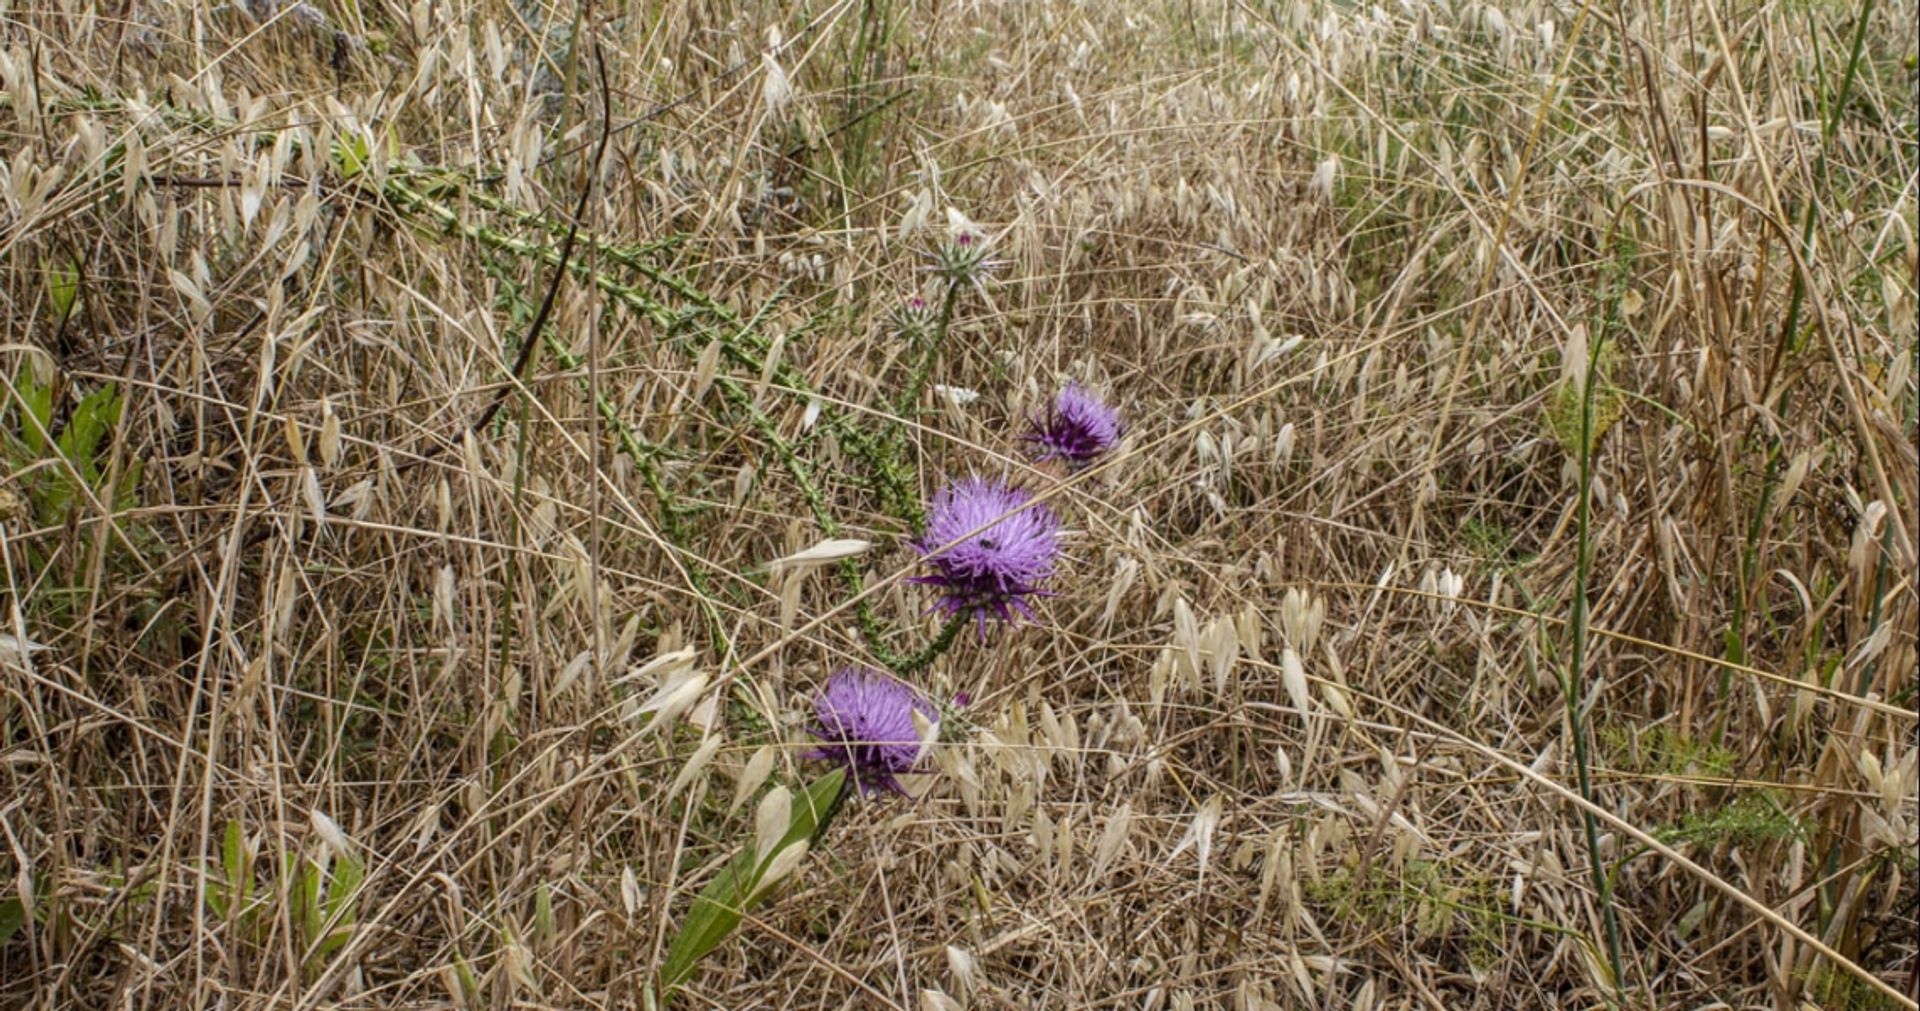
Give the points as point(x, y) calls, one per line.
point(386, 383)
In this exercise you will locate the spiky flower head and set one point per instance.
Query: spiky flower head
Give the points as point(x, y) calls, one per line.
point(963, 258)
point(865, 719)
point(990, 547)
point(913, 318)
point(1077, 429)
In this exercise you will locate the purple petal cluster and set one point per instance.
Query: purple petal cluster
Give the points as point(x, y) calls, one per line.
point(865, 719)
point(990, 547)
point(1079, 427)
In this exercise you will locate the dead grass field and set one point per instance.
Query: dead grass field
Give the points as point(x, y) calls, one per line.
point(1503, 597)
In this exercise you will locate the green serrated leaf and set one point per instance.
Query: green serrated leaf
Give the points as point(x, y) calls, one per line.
point(717, 910)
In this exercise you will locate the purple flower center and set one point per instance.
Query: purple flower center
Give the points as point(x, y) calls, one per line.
point(865, 720)
point(1077, 429)
point(990, 548)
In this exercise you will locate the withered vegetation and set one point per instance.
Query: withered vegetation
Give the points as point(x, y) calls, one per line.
point(387, 384)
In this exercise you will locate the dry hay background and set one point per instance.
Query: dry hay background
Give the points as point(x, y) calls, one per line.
point(1333, 262)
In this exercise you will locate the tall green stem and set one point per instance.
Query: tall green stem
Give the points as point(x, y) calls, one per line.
point(1575, 684)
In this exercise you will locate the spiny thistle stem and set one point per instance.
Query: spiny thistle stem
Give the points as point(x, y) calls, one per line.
point(917, 380)
point(881, 464)
point(871, 627)
point(878, 454)
point(632, 257)
point(643, 457)
point(918, 660)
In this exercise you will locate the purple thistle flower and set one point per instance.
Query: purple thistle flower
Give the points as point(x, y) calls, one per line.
point(1078, 428)
point(866, 719)
point(989, 572)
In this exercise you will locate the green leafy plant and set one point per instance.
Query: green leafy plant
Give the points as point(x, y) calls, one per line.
point(13, 912)
point(1842, 992)
point(54, 468)
point(353, 154)
point(63, 287)
point(1431, 898)
point(1661, 749)
point(1570, 411)
point(232, 893)
point(16, 910)
point(1751, 820)
point(746, 881)
point(13, 916)
point(324, 895)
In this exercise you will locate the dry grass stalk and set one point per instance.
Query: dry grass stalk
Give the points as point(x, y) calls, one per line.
point(314, 692)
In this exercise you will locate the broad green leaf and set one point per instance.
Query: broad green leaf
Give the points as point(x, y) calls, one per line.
point(217, 897)
point(56, 500)
point(347, 874)
point(717, 910)
point(350, 155)
point(63, 287)
point(330, 944)
point(37, 401)
point(12, 916)
point(542, 913)
point(330, 920)
point(92, 419)
point(234, 858)
point(15, 911)
point(123, 496)
point(306, 900)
